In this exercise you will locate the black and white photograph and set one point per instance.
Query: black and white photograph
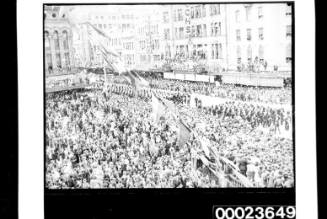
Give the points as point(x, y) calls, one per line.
point(162, 109)
point(169, 96)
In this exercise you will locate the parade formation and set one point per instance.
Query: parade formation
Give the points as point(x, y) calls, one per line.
point(130, 128)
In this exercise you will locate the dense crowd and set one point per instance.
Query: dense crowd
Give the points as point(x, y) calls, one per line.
point(243, 93)
point(108, 139)
point(260, 153)
point(97, 140)
point(233, 92)
point(68, 82)
point(256, 115)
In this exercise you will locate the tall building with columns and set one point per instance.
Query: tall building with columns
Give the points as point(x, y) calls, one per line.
point(57, 41)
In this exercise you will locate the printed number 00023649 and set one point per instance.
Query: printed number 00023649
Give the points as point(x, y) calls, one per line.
point(254, 212)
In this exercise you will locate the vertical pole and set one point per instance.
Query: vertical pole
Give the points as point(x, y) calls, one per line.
point(105, 74)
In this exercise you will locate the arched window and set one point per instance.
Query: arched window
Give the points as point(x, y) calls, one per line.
point(67, 59)
point(249, 53)
point(65, 39)
point(239, 54)
point(261, 53)
point(46, 40)
point(56, 40)
point(57, 48)
point(48, 57)
point(216, 51)
point(288, 53)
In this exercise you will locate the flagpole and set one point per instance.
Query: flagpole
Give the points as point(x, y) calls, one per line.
point(105, 75)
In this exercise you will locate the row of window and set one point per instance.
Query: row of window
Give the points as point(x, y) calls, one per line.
point(123, 27)
point(153, 29)
point(58, 61)
point(249, 34)
point(56, 40)
point(249, 56)
point(248, 13)
point(260, 33)
point(129, 59)
point(128, 46)
point(199, 30)
point(199, 51)
point(147, 58)
point(215, 9)
point(249, 52)
point(114, 17)
point(195, 12)
point(154, 45)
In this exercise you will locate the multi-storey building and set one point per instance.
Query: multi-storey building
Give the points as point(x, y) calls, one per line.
point(134, 33)
point(82, 46)
point(119, 25)
point(218, 36)
point(149, 50)
point(196, 32)
point(259, 33)
point(58, 47)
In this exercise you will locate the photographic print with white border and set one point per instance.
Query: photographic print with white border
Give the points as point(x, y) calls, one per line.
point(169, 96)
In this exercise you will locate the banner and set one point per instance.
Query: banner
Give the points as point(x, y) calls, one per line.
point(168, 75)
point(184, 133)
point(253, 80)
point(202, 78)
point(190, 77)
point(158, 109)
point(180, 76)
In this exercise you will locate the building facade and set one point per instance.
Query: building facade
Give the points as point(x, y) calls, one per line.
point(134, 34)
point(196, 32)
point(58, 46)
point(118, 25)
point(149, 47)
point(260, 34)
point(221, 37)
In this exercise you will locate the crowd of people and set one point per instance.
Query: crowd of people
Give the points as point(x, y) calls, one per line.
point(243, 93)
point(106, 138)
point(268, 157)
point(233, 92)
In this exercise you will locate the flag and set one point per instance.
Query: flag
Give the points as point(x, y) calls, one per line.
point(184, 133)
point(204, 160)
point(170, 105)
point(205, 144)
point(100, 39)
point(157, 108)
point(137, 79)
point(112, 57)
